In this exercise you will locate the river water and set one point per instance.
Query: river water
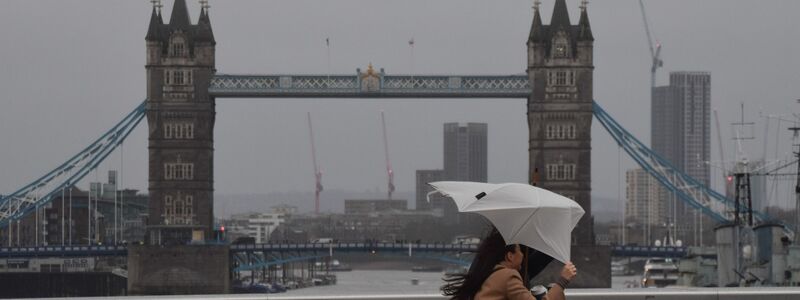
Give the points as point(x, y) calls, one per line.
point(393, 282)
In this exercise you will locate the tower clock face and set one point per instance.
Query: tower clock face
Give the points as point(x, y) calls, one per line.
point(561, 51)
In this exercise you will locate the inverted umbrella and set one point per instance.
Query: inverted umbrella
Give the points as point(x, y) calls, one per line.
point(523, 214)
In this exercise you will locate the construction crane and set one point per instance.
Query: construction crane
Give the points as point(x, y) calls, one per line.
point(721, 147)
point(317, 172)
point(655, 50)
point(389, 171)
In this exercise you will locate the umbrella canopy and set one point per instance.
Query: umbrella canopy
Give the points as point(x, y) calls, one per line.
point(523, 214)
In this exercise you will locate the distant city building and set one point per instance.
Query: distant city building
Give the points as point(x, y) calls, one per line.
point(465, 152)
point(694, 93)
point(388, 226)
point(285, 209)
point(261, 226)
point(465, 159)
point(366, 207)
point(257, 225)
point(644, 213)
point(423, 188)
point(665, 128)
point(641, 193)
point(115, 216)
point(680, 133)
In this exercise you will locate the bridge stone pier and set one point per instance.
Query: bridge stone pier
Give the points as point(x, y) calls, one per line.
point(187, 270)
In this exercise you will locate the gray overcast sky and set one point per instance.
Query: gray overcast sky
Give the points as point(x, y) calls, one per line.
point(69, 70)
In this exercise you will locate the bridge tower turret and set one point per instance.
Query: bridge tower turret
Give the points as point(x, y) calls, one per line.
point(180, 118)
point(560, 68)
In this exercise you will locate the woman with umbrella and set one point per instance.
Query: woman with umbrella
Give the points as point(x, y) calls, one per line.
point(494, 274)
point(523, 217)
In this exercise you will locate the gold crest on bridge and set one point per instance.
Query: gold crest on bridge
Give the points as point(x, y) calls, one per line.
point(371, 80)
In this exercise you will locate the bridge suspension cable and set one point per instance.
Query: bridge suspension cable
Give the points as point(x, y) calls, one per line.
point(26, 200)
point(686, 188)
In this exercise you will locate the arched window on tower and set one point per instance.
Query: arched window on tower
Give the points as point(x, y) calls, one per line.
point(178, 130)
point(561, 78)
point(560, 171)
point(561, 131)
point(189, 210)
point(571, 131)
point(179, 171)
point(189, 200)
point(179, 206)
point(177, 77)
point(178, 46)
point(169, 212)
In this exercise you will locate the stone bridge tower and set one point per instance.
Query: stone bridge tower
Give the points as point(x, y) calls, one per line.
point(560, 109)
point(180, 118)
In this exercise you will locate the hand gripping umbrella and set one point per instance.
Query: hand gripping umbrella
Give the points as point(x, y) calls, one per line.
point(523, 214)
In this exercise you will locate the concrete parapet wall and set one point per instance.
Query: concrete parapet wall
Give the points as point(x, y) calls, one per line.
point(766, 293)
point(763, 293)
point(178, 270)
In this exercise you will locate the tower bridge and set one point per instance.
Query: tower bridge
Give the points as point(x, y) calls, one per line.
point(183, 89)
point(180, 109)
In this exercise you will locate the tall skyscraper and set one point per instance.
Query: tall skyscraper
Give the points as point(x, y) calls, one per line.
point(465, 152)
point(465, 159)
point(681, 134)
point(665, 128)
point(693, 92)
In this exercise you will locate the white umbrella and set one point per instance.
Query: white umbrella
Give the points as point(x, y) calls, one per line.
point(523, 214)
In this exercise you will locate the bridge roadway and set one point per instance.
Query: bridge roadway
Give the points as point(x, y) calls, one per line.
point(84, 251)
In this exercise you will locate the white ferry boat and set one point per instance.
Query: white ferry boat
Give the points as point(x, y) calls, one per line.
point(660, 273)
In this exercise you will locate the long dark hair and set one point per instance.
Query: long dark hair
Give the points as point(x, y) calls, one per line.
point(491, 251)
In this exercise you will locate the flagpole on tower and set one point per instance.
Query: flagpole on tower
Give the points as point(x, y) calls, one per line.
point(411, 44)
point(328, 52)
